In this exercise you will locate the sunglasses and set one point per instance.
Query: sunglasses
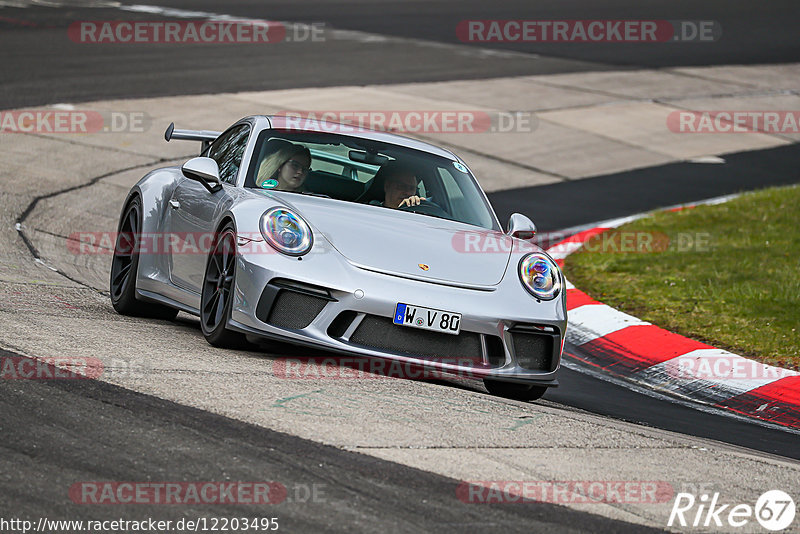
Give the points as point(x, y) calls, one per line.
point(296, 166)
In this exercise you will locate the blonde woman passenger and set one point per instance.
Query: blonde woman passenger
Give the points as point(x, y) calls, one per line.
point(285, 169)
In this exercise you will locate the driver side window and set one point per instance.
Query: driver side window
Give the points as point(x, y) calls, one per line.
point(228, 150)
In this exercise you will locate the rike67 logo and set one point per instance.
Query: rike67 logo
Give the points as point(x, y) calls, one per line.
point(774, 510)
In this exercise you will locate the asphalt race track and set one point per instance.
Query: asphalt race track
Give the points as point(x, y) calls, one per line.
point(357, 488)
point(33, 74)
point(637, 191)
point(57, 432)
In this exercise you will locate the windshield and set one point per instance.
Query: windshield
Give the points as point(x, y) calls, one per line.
point(368, 172)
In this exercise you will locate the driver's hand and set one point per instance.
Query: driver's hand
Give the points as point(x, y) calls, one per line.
point(411, 201)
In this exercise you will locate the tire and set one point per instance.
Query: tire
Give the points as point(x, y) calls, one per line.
point(216, 298)
point(125, 266)
point(512, 390)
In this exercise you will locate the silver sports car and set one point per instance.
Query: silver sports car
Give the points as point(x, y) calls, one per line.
point(345, 239)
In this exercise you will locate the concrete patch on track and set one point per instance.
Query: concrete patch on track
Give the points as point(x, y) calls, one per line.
point(760, 76)
point(445, 427)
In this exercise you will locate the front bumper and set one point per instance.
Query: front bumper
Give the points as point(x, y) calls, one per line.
point(324, 301)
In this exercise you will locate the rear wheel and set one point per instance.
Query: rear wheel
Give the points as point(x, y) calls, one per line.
point(217, 293)
point(125, 265)
point(512, 390)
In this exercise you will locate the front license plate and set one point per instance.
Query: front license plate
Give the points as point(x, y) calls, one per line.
point(427, 318)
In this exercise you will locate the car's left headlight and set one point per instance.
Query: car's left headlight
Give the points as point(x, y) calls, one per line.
point(540, 276)
point(286, 231)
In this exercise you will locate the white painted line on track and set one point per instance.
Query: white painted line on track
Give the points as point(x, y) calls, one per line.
point(619, 221)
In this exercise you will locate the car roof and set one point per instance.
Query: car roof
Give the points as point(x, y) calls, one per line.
point(314, 125)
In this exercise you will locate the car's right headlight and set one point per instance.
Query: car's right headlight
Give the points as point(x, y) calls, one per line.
point(540, 276)
point(286, 232)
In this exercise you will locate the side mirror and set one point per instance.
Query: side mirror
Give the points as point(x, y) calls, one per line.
point(521, 227)
point(205, 171)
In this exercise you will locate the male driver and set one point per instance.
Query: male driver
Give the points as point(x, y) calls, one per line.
point(399, 186)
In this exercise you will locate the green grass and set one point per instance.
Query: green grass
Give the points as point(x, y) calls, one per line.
point(738, 290)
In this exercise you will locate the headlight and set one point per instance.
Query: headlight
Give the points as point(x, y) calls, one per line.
point(286, 231)
point(540, 276)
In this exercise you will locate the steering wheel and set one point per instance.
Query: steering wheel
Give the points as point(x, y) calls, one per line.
point(427, 207)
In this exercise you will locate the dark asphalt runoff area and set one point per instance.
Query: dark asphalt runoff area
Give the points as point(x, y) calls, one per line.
point(574, 203)
point(754, 32)
point(56, 433)
point(42, 65)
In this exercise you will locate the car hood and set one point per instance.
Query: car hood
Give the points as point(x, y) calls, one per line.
point(407, 244)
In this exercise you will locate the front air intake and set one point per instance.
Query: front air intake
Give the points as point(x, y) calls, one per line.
point(289, 304)
point(535, 348)
point(382, 334)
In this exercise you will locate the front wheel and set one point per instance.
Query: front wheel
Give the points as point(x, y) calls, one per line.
point(512, 390)
point(217, 294)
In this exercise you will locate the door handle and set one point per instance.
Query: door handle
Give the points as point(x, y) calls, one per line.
point(174, 204)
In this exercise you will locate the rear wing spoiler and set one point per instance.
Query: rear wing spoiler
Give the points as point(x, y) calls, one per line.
point(206, 137)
